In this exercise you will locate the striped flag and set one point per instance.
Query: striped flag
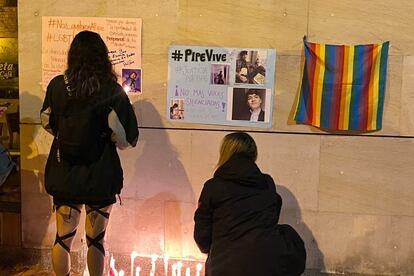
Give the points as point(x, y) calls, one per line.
point(343, 86)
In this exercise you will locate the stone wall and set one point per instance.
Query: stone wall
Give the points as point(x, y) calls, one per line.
point(350, 197)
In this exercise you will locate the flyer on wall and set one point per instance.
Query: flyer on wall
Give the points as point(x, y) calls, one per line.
point(122, 36)
point(222, 86)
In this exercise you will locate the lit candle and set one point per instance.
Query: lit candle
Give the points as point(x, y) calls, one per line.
point(153, 260)
point(134, 254)
point(199, 268)
point(179, 266)
point(174, 270)
point(112, 271)
point(166, 265)
point(187, 272)
point(137, 271)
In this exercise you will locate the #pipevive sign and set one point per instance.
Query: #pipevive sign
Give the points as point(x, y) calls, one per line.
point(222, 86)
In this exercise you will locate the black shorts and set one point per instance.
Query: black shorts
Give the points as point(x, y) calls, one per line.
point(104, 202)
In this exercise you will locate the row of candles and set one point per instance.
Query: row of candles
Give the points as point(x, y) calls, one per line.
point(177, 268)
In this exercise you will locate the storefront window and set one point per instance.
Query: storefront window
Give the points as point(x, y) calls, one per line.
point(9, 121)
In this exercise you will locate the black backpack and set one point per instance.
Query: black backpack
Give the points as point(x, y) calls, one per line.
point(81, 135)
point(292, 252)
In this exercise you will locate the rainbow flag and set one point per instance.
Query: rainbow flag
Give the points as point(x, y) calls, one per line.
point(343, 87)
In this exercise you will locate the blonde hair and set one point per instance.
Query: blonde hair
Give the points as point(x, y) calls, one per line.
point(237, 142)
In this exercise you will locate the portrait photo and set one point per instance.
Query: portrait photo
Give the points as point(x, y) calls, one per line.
point(220, 74)
point(251, 67)
point(250, 104)
point(131, 80)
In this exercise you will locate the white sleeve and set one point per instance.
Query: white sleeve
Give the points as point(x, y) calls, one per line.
point(44, 118)
point(118, 136)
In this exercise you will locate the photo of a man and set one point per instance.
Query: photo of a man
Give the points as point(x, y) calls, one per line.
point(254, 101)
point(249, 104)
point(242, 68)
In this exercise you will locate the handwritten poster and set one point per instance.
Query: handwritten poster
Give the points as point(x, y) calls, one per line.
point(122, 36)
point(224, 86)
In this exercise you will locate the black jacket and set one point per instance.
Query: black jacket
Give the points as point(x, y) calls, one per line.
point(236, 221)
point(103, 179)
point(246, 116)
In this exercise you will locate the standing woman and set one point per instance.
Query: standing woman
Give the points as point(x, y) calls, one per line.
point(237, 215)
point(89, 115)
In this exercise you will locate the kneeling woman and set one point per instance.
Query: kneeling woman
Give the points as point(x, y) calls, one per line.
point(236, 220)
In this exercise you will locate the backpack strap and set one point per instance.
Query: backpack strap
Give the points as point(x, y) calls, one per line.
point(65, 105)
point(68, 88)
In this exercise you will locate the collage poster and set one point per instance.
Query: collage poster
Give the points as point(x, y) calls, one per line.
point(122, 36)
point(222, 86)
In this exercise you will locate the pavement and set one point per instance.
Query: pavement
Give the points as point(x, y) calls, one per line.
point(28, 262)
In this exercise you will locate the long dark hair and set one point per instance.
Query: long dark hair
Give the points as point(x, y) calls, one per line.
point(89, 67)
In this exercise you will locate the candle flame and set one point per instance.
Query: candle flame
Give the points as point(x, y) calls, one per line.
point(179, 266)
point(199, 268)
point(153, 257)
point(166, 258)
point(112, 262)
point(112, 271)
point(134, 254)
point(174, 270)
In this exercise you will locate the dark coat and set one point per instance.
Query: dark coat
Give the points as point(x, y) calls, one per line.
point(101, 180)
point(246, 116)
point(236, 221)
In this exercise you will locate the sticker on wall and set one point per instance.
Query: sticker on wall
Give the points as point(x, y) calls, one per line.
point(223, 86)
point(122, 36)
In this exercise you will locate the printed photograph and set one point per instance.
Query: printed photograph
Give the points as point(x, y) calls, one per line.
point(251, 67)
point(131, 80)
point(250, 104)
point(177, 109)
point(220, 74)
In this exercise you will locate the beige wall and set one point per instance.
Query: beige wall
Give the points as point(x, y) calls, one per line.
point(351, 197)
